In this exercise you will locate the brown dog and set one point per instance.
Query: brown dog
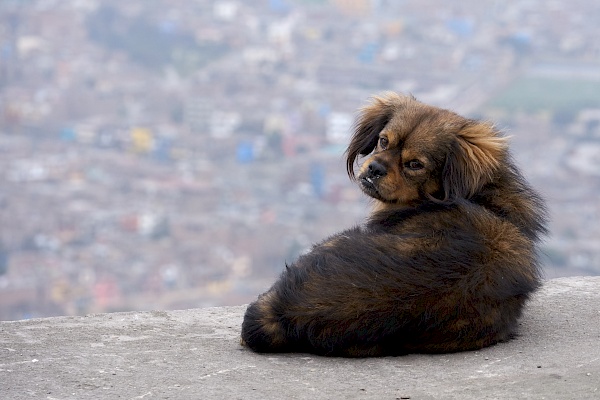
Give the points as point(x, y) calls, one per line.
point(445, 262)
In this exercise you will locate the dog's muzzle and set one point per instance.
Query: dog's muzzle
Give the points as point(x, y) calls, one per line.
point(376, 170)
point(371, 176)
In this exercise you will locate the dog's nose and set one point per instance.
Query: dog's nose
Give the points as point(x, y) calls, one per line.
point(376, 170)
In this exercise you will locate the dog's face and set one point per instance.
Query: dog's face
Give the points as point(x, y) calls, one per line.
point(416, 152)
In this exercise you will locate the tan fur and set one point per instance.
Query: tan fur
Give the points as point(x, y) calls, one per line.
point(483, 152)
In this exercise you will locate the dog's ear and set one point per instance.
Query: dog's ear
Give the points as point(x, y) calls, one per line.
point(371, 120)
point(473, 160)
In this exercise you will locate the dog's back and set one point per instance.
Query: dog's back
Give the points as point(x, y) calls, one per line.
point(435, 279)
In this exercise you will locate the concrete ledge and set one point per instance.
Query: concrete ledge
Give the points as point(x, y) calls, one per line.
point(195, 354)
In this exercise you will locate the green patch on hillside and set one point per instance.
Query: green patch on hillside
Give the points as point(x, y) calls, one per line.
point(557, 96)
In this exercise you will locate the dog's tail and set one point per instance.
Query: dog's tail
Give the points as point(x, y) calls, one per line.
point(262, 330)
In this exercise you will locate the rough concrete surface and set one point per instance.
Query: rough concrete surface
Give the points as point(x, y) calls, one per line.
point(195, 354)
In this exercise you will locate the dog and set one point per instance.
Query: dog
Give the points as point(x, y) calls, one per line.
point(444, 263)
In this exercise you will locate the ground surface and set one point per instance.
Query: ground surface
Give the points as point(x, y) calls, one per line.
point(195, 354)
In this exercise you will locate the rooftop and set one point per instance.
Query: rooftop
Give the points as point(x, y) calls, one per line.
point(195, 354)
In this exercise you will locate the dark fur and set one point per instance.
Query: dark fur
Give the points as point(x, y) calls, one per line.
point(445, 262)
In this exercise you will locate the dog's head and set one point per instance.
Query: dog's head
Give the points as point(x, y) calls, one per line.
point(416, 152)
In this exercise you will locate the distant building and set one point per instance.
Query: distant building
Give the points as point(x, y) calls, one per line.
point(339, 127)
point(223, 124)
point(197, 114)
point(354, 7)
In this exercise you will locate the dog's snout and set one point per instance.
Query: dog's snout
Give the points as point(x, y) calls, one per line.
point(376, 170)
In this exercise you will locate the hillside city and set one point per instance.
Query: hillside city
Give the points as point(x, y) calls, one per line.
point(178, 153)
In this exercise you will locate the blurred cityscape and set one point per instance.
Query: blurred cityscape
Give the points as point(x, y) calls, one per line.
point(177, 153)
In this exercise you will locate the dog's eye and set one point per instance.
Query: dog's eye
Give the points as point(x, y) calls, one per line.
point(383, 143)
point(414, 165)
